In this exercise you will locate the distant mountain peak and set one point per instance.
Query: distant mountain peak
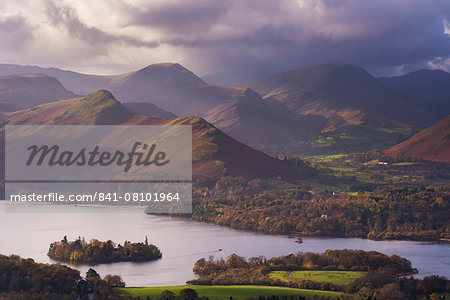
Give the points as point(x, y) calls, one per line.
point(429, 71)
point(165, 65)
point(164, 74)
point(427, 88)
point(329, 90)
point(20, 91)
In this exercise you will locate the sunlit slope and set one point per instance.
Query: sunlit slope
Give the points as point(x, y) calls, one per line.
point(432, 143)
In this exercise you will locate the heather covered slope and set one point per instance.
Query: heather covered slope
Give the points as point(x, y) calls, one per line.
point(214, 152)
point(28, 90)
point(432, 143)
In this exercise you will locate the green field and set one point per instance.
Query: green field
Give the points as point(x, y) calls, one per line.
point(225, 292)
point(334, 277)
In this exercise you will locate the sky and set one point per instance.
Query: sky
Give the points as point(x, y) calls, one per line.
point(240, 38)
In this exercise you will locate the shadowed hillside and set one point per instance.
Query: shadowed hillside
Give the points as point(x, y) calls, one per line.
point(28, 90)
point(427, 88)
point(342, 94)
point(79, 83)
point(149, 109)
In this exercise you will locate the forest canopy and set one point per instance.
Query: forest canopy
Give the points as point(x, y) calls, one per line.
point(97, 251)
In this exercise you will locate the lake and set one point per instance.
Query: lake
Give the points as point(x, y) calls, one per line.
point(182, 242)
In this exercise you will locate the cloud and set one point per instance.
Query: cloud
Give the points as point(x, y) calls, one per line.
point(178, 18)
point(251, 37)
point(15, 33)
point(66, 17)
point(439, 63)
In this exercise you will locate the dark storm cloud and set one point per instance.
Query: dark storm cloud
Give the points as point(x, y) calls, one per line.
point(371, 34)
point(271, 36)
point(238, 36)
point(183, 17)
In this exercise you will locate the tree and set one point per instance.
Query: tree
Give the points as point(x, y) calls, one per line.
point(235, 261)
point(114, 280)
point(91, 273)
point(188, 294)
point(167, 295)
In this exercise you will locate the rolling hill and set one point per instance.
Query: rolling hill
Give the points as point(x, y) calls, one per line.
point(426, 88)
point(432, 143)
point(28, 90)
point(214, 152)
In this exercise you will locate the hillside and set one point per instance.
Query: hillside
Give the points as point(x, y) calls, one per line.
point(331, 108)
point(214, 152)
point(426, 88)
point(149, 109)
point(171, 87)
point(342, 94)
point(360, 113)
point(239, 112)
point(432, 143)
point(28, 90)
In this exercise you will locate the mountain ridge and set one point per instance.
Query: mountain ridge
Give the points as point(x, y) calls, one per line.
point(329, 108)
point(28, 90)
point(329, 88)
point(426, 88)
point(214, 152)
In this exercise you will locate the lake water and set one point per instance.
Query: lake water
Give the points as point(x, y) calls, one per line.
point(182, 242)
